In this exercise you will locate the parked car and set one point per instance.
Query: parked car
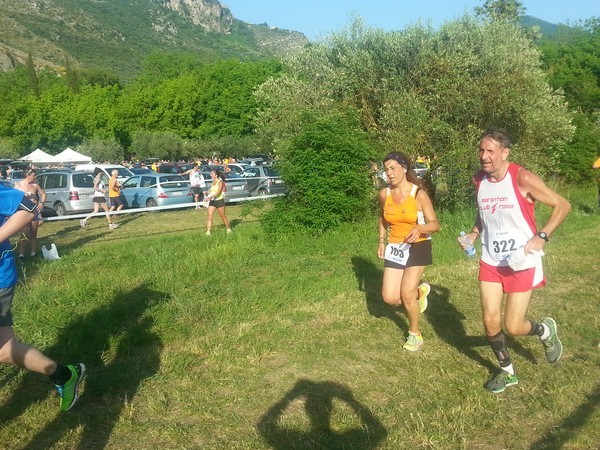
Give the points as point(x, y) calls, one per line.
point(67, 192)
point(420, 169)
point(263, 180)
point(15, 176)
point(237, 167)
point(107, 169)
point(156, 189)
point(235, 188)
point(140, 170)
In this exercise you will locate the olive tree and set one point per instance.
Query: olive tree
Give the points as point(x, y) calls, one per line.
point(426, 92)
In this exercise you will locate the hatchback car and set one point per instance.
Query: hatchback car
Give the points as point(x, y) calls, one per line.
point(67, 192)
point(263, 180)
point(235, 189)
point(156, 189)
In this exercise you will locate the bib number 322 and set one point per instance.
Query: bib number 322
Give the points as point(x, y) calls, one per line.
point(397, 253)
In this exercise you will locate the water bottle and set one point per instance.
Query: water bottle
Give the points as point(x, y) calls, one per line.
point(469, 249)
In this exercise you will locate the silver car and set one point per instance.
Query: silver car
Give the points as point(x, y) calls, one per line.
point(236, 187)
point(156, 189)
point(67, 192)
point(263, 180)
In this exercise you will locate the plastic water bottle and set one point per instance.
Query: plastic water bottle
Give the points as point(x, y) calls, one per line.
point(469, 249)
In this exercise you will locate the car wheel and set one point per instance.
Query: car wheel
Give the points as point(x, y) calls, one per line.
point(151, 203)
point(263, 192)
point(60, 209)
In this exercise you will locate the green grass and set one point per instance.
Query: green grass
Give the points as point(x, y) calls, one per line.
point(246, 341)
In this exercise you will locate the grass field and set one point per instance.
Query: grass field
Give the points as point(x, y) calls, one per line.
point(245, 341)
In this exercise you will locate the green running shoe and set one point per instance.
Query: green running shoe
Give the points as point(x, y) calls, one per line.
point(500, 382)
point(68, 392)
point(424, 290)
point(552, 345)
point(413, 342)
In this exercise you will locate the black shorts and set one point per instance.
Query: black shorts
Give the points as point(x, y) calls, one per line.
point(196, 190)
point(6, 298)
point(99, 199)
point(217, 203)
point(420, 255)
point(117, 201)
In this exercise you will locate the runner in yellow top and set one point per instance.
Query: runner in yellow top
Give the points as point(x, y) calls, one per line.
point(408, 219)
point(216, 201)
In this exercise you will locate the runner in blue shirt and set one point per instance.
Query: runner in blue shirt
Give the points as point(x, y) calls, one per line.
point(16, 211)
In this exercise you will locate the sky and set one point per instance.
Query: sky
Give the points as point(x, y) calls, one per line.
point(318, 18)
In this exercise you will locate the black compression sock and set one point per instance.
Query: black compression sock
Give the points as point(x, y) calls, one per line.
point(537, 329)
point(498, 344)
point(61, 375)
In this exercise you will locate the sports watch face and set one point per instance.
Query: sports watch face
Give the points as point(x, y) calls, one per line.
point(543, 235)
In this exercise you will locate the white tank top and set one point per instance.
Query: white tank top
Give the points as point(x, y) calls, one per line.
point(507, 216)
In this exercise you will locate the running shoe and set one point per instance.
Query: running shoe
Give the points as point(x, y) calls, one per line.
point(113, 226)
point(413, 342)
point(82, 223)
point(229, 230)
point(68, 392)
point(500, 382)
point(424, 290)
point(208, 233)
point(552, 345)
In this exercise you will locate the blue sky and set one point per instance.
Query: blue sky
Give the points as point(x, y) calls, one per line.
point(317, 18)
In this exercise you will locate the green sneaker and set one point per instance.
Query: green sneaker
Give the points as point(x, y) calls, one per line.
point(413, 342)
point(500, 382)
point(424, 290)
point(552, 345)
point(68, 392)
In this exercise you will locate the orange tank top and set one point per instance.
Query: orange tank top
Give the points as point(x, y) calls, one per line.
point(403, 217)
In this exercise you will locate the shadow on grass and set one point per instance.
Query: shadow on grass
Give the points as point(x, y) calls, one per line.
point(318, 403)
point(120, 351)
point(560, 434)
point(369, 278)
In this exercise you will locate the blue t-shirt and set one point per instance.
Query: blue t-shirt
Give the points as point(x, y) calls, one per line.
point(10, 200)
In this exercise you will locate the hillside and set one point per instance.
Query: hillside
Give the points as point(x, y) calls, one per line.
point(118, 35)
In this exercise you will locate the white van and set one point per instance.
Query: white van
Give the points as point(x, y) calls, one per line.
point(124, 172)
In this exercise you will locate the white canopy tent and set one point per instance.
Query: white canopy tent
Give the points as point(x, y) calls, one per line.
point(70, 156)
point(38, 157)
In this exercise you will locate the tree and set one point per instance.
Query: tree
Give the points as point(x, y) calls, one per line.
point(426, 92)
point(102, 150)
point(34, 85)
point(501, 10)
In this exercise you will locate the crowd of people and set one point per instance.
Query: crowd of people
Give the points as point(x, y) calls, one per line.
point(504, 222)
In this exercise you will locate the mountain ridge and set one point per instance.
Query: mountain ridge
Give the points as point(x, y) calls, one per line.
point(119, 35)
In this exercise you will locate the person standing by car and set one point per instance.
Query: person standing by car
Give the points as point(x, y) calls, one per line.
point(407, 219)
point(16, 211)
point(114, 192)
point(36, 194)
point(216, 201)
point(506, 194)
point(99, 200)
point(197, 183)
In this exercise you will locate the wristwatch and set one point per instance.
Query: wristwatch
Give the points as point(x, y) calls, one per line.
point(543, 235)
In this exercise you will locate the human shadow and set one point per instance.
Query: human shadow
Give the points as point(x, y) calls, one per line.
point(370, 279)
point(318, 400)
point(442, 314)
point(119, 331)
point(558, 435)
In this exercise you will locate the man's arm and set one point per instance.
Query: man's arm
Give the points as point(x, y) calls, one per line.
point(14, 224)
point(533, 187)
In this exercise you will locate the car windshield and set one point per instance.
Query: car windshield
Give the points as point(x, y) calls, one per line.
point(123, 172)
point(270, 172)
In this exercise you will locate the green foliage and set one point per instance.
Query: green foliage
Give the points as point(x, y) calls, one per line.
point(102, 150)
point(503, 10)
point(8, 149)
point(156, 144)
point(32, 78)
point(326, 168)
point(428, 93)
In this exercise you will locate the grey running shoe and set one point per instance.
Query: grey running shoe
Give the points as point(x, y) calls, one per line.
point(413, 342)
point(500, 382)
point(552, 345)
point(82, 223)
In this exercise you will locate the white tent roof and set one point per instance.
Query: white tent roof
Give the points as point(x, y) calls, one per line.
point(69, 155)
point(38, 156)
